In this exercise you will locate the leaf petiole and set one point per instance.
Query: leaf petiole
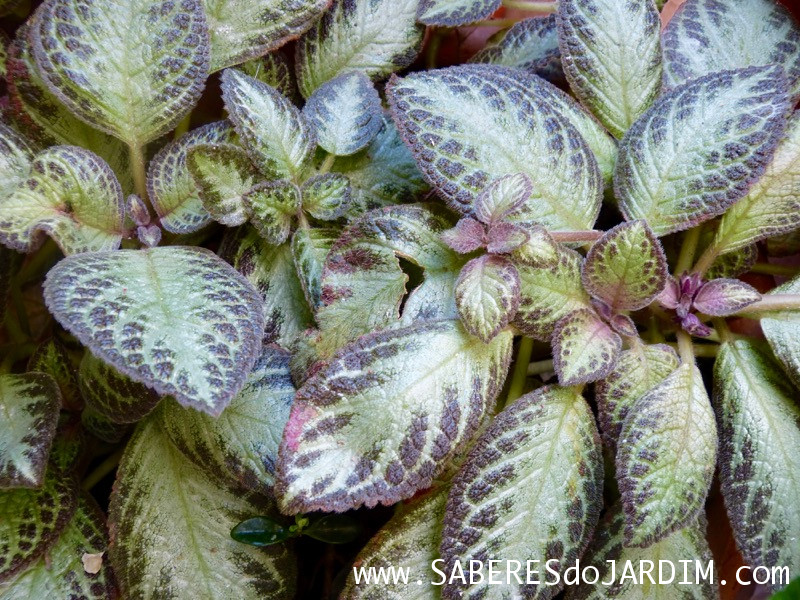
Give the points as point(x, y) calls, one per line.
point(542, 7)
point(520, 370)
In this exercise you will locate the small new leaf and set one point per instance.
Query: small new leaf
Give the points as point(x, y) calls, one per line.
point(272, 207)
point(722, 297)
point(585, 348)
point(272, 129)
point(326, 197)
point(487, 295)
point(699, 148)
point(666, 456)
point(30, 404)
point(503, 197)
point(345, 113)
point(199, 347)
point(626, 268)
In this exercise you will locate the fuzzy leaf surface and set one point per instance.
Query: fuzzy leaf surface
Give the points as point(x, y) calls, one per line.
point(626, 268)
point(345, 113)
point(585, 348)
point(160, 539)
point(113, 395)
point(637, 372)
point(722, 297)
point(704, 36)
point(362, 281)
point(487, 295)
point(71, 195)
point(451, 13)
point(223, 174)
point(782, 330)
point(412, 537)
point(275, 70)
point(468, 125)
point(666, 456)
point(612, 57)
point(772, 206)
point(272, 129)
point(32, 519)
point(245, 29)
point(699, 148)
point(386, 415)
point(16, 159)
point(131, 68)
point(376, 37)
point(62, 574)
point(531, 489)
point(549, 292)
point(198, 347)
point(327, 196)
point(759, 422)
point(271, 270)
point(241, 445)
point(272, 206)
point(30, 403)
point(171, 187)
point(608, 545)
point(310, 247)
point(530, 44)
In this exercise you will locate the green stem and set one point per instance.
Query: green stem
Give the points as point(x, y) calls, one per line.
point(590, 235)
point(541, 366)
point(706, 260)
point(685, 347)
point(725, 334)
point(433, 47)
point(103, 469)
point(773, 269)
point(771, 303)
point(327, 164)
point(520, 370)
point(183, 126)
point(542, 7)
point(688, 250)
point(700, 350)
point(138, 168)
point(38, 263)
point(19, 308)
point(494, 23)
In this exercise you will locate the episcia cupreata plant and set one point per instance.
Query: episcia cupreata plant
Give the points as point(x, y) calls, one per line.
point(539, 302)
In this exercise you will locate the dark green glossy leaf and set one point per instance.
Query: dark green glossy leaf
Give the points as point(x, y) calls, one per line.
point(261, 531)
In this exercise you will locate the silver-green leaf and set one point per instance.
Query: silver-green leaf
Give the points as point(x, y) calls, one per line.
point(487, 295)
point(782, 330)
point(585, 348)
point(452, 13)
point(199, 346)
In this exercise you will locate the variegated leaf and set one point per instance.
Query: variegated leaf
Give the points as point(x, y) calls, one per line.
point(241, 445)
point(585, 348)
point(272, 207)
point(452, 13)
point(782, 330)
point(113, 395)
point(271, 270)
point(502, 198)
point(310, 247)
point(30, 405)
point(433, 299)
point(16, 161)
point(611, 54)
point(274, 70)
point(487, 295)
point(377, 37)
point(531, 489)
point(199, 347)
point(772, 206)
point(132, 68)
point(383, 174)
point(611, 557)
point(461, 122)
point(102, 427)
point(667, 451)
point(637, 371)
point(722, 297)
point(53, 358)
point(36, 106)
point(699, 148)
point(759, 421)
point(530, 44)
point(327, 196)
point(32, 519)
point(272, 129)
point(733, 264)
point(626, 268)
point(223, 174)
point(62, 574)
point(71, 195)
point(166, 515)
point(386, 415)
point(345, 113)
point(541, 250)
point(244, 29)
point(170, 186)
point(362, 282)
point(410, 538)
point(704, 36)
point(548, 293)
